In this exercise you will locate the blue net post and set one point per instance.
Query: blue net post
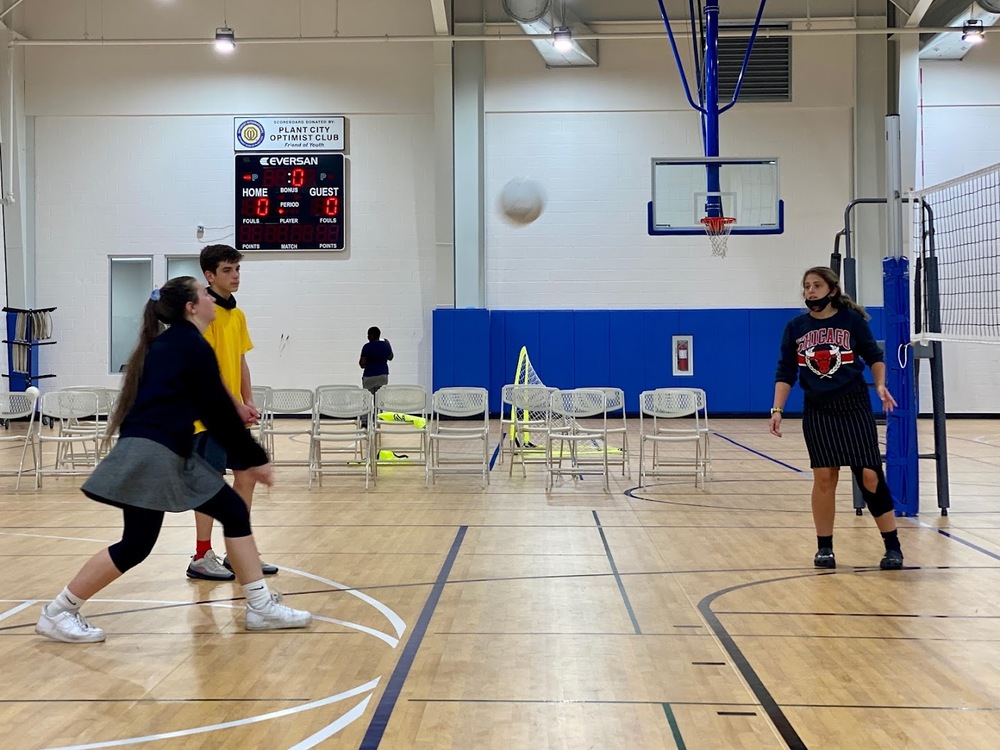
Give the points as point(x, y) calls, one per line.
point(901, 457)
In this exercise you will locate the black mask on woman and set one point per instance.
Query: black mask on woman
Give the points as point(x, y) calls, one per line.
point(818, 305)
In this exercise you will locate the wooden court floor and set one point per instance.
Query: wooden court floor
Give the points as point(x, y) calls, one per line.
point(454, 617)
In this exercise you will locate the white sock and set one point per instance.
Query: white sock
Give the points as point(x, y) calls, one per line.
point(65, 602)
point(257, 594)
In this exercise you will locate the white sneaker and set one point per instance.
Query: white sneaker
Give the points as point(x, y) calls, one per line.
point(68, 627)
point(276, 615)
point(209, 568)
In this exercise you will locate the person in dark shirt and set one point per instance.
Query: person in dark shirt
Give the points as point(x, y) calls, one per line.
point(375, 358)
point(826, 349)
point(172, 379)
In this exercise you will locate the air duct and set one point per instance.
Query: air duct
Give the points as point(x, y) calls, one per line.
point(562, 50)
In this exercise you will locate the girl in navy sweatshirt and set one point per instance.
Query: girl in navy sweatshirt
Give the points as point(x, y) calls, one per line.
point(826, 349)
point(172, 379)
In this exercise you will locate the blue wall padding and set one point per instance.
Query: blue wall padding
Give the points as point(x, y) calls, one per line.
point(627, 341)
point(465, 358)
point(592, 347)
point(735, 352)
point(555, 348)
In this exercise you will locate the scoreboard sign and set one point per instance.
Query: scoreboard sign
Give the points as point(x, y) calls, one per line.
point(290, 201)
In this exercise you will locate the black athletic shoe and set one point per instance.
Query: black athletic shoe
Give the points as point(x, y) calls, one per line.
point(824, 558)
point(893, 560)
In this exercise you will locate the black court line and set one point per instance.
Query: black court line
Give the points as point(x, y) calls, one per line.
point(674, 729)
point(496, 453)
point(758, 453)
point(380, 719)
point(618, 578)
point(756, 685)
point(959, 539)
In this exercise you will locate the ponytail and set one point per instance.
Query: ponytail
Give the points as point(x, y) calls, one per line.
point(166, 306)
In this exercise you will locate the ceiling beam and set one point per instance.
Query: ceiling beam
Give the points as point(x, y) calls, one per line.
point(440, 17)
point(919, 11)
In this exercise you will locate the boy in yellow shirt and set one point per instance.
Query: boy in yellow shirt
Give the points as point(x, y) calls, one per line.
point(230, 340)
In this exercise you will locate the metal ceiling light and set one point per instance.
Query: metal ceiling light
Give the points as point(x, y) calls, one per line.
point(225, 39)
point(973, 31)
point(562, 39)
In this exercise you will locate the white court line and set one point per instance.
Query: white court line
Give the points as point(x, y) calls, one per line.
point(331, 729)
point(393, 642)
point(49, 536)
point(23, 606)
point(366, 688)
point(392, 617)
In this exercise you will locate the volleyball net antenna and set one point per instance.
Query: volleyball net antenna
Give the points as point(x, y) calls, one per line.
point(955, 260)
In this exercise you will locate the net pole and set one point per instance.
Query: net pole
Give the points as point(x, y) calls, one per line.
point(937, 366)
point(901, 459)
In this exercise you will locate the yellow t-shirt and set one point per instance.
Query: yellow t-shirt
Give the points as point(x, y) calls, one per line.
point(230, 340)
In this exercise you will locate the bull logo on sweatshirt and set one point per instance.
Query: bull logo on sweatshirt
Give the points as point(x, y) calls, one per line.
point(825, 350)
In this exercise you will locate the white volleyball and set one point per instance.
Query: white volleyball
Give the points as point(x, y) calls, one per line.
point(522, 200)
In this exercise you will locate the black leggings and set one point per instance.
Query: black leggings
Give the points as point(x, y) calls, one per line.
point(142, 526)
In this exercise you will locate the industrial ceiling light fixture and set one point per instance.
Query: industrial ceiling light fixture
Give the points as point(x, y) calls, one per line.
point(225, 40)
point(562, 39)
point(973, 31)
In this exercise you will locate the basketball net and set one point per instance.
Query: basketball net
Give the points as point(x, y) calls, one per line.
point(718, 228)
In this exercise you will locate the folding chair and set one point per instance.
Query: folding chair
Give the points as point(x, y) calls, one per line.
point(400, 410)
point(18, 406)
point(286, 401)
point(530, 414)
point(616, 403)
point(459, 405)
point(64, 410)
point(702, 399)
point(341, 417)
point(588, 442)
point(669, 416)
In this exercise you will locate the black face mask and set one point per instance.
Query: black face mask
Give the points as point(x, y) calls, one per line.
point(819, 305)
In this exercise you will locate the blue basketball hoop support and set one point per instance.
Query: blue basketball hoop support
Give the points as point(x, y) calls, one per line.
point(708, 106)
point(708, 94)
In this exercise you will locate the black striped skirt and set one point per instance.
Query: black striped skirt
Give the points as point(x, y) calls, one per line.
point(842, 432)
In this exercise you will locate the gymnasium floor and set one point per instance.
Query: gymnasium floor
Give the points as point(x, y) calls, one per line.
point(454, 617)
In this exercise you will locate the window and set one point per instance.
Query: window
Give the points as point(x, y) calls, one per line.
point(131, 283)
point(184, 265)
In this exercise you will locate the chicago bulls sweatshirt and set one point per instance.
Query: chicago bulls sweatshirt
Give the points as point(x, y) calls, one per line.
point(828, 355)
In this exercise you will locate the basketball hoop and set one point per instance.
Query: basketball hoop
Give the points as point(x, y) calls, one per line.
point(718, 228)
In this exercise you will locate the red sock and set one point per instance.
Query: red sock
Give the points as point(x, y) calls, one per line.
point(201, 547)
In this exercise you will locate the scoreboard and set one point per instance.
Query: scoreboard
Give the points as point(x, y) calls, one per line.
point(290, 201)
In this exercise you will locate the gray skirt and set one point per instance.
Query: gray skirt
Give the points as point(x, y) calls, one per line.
point(145, 474)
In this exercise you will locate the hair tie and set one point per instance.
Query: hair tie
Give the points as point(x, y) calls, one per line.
point(154, 295)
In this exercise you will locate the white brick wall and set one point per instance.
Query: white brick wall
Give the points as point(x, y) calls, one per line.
point(960, 119)
point(588, 136)
point(140, 185)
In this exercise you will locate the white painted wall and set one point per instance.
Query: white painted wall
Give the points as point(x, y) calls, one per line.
point(588, 135)
point(960, 119)
point(133, 149)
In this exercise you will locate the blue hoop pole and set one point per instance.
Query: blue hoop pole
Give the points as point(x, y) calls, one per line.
point(713, 205)
point(677, 59)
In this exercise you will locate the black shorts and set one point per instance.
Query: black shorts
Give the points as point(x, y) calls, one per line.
point(215, 454)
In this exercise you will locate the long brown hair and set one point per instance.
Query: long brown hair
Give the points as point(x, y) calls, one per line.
point(166, 306)
point(837, 297)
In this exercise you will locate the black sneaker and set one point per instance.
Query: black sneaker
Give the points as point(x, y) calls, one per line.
point(266, 568)
point(893, 560)
point(824, 558)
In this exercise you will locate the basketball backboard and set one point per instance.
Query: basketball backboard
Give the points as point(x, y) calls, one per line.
point(747, 191)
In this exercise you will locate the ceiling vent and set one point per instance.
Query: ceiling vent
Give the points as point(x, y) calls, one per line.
point(769, 73)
